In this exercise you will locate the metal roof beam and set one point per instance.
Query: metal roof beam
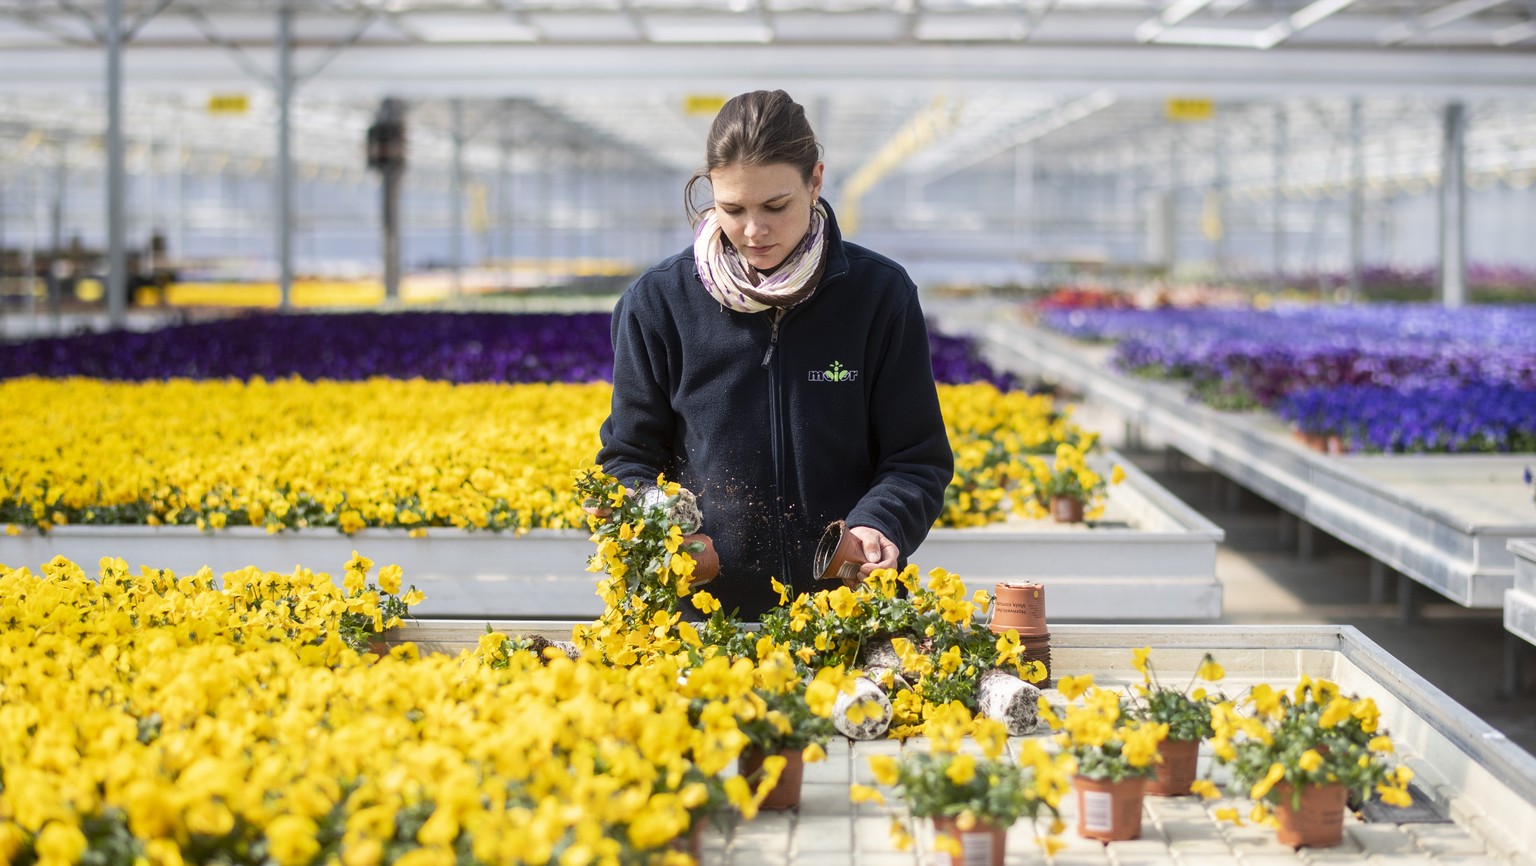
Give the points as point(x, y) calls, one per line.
point(1399, 33)
point(920, 70)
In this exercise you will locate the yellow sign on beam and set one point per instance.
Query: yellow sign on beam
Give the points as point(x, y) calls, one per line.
point(1190, 109)
point(708, 106)
point(229, 103)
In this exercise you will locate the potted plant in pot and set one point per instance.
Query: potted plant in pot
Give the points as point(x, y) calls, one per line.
point(649, 546)
point(1302, 754)
point(790, 720)
point(1113, 756)
point(1186, 712)
point(1067, 488)
point(972, 800)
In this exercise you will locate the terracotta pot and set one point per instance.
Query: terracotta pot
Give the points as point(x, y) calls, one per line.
point(1066, 509)
point(1319, 823)
point(692, 842)
point(1109, 811)
point(979, 846)
point(1019, 605)
point(706, 563)
point(839, 555)
point(1176, 770)
point(786, 794)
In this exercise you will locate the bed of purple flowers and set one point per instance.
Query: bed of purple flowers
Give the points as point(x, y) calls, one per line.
point(443, 346)
point(1388, 377)
point(1372, 418)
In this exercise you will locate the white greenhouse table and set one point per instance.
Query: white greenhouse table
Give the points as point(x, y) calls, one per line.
point(1443, 520)
point(1155, 559)
point(1520, 600)
point(1467, 771)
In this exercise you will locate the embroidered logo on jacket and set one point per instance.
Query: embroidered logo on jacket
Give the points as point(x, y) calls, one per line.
point(835, 373)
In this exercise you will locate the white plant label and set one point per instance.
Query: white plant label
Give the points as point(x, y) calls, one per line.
point(976, 851)
point(1098, 811)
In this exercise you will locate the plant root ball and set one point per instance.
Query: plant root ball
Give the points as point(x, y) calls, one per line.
point(864, 715)
point(1008, 699)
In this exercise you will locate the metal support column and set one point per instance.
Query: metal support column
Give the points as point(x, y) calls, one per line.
point(580, 248)
point(1215, 218)
point(1277, 278)
point(29, 255)
point(1514, 648)
point(285, 156)
point(117, 258)
point(1023, 199)
point(456, 201)
point(151, 197)
point(1356, 200)
point(4, 197)
point(1453, 208)
point(386, 149)
point(179, 230)
point(545, 211)
point(1379, 575)
point(1170, 239)
point(1306, 539)
point(504, 221)
point(1407, 600)
point(58, 267)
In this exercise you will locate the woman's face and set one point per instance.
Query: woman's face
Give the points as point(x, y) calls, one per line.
point(764, 209)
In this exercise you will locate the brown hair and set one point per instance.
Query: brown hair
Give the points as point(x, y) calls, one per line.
point(763, 127)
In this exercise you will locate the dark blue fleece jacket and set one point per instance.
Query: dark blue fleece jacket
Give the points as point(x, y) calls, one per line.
point(780, 431)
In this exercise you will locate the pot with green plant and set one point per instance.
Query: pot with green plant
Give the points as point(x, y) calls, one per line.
point(1114, 754)
point(1067, 488)
point(971, 799)
point(1301, 754)
point(1186, 712)
point(648, 543)
point(790, 717)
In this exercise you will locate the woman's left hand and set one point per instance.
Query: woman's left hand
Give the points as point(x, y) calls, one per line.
point(878, 550)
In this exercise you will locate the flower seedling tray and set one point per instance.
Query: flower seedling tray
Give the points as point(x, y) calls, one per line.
point(1467, 771)
point(1153, 558)
point(1442, 520)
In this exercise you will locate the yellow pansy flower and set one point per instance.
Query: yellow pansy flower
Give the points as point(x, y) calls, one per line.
point(1262, 787)
point(961, 769)
point(865, 794)
point(884, 768)
point(1073, 688)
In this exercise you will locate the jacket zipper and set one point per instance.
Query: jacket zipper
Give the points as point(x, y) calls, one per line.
point(773, 336)
point(775, 435)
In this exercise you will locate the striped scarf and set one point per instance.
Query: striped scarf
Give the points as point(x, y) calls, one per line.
point(736, 284)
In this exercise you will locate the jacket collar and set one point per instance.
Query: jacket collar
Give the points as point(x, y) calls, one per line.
point(837, 257)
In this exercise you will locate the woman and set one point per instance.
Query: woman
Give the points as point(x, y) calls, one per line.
point(778, 372)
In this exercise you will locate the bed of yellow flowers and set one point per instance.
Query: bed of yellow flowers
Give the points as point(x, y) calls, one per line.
point(156, 719)
point(386, 453)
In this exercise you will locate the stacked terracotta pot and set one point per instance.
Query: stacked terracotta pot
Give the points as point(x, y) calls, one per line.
point(1020, 606)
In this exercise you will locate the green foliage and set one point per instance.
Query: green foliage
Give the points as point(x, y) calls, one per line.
point(996, 791)
point(639, 544)
point(1186, 711)
point(788, 723)
point(1313, 736)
